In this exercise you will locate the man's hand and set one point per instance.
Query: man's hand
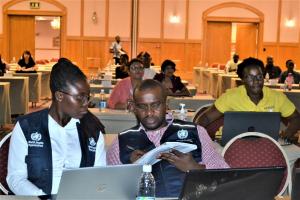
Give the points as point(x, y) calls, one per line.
point(136, 154)
point(182, 161)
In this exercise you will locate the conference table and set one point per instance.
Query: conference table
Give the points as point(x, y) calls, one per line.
point(45, 83)
point(116, 121)
point(19, 93)
point(34, 85)
point(191, 103)
point(5, 114)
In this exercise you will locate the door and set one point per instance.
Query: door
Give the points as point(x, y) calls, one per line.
point(246, 40)
point(21, 35)
point(218, 42)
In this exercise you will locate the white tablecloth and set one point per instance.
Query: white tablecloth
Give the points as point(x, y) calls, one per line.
point(5, 114)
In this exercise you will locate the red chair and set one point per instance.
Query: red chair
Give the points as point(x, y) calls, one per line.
point(215, 65)
point(222, 67)
point(214, 126)
point(4, 149)
point(253, 149)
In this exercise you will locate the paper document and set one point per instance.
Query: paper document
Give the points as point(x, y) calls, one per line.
point(151, 156)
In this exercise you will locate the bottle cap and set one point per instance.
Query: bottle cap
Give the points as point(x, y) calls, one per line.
point(147, 168)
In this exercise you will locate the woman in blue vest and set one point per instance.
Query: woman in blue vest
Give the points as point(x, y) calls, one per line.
point(64, 136)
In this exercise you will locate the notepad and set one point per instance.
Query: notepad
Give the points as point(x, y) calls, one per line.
point(150, 157)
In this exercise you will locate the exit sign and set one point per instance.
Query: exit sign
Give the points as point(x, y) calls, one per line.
point(34, 5)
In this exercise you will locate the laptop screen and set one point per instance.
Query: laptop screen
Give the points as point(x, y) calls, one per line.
point(236, 123)
point(246, 184)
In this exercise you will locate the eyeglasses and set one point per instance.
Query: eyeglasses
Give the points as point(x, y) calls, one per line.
point(133, 68)
point(152, 106)
point(80, 98)
point(251, 78)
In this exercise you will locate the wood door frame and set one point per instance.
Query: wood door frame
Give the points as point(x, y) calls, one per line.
point(6, 13)
point(207, 19)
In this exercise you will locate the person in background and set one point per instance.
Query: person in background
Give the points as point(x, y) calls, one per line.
point(254, 96)
point(116, 49)
point(122, 93)
point(149, 105)
point(122, 70)
point(66, 135)
point(273, 71)
point(3, 66)
point(149, 73)
point(172, 83)
point(26, 63)
point(290, 69)
point(231, 65)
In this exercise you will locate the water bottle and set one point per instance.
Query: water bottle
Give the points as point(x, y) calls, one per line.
point(146, 185)
point(182, 112)
point(267, 77)
point(289, 81)
point(102, 103)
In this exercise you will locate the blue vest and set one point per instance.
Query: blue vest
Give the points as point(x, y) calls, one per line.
point(39, 158)
point(168, 178)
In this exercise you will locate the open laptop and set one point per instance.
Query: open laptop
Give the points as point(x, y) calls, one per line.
point(239, 184)
point(111, 182)
point(296, 185)
point(236, 123)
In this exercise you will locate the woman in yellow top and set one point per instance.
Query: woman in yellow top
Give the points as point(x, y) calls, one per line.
point(253, 96)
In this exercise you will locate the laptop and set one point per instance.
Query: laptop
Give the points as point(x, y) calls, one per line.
point(236, 123)
point(296, 185)
point(111, 182)
point(239, 184)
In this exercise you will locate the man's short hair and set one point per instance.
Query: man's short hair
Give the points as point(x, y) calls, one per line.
point(249, 62)
point(149, 84)
point(288, 62)
point(168, 63)
point(64, 72)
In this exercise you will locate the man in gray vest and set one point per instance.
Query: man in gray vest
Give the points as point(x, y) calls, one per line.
point(155, 129)
point(66, 135)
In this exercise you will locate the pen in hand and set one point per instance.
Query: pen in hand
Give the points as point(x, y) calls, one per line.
point(130, 147)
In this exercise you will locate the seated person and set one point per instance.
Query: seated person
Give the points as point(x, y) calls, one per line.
point(3, 66)
point(66, 135)
point(231, 65)
point(26, 63)
point(122, 70)
point(253, 96)
point(149, 73)
point(122, 93)
point(290, 69)
point(149, 105)
point(171, 82)
point(273, 71)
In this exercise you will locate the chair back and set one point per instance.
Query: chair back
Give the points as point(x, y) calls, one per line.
point(214, 126)
point(4, 149)
point(253, 149)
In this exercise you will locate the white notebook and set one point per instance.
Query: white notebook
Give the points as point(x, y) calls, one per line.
point(150, 157)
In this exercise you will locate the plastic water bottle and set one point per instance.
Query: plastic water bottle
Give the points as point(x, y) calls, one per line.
point(146, 185)
point(289, 81)
point(267, 77)
point(182, 112)
point(102, 103)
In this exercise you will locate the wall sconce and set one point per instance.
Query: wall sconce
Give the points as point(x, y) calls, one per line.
point(94, 18)
point(290, 23)
point(174, 19)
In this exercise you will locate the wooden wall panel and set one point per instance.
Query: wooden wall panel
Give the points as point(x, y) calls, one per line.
point(287, 52)
point(1, 45)
point(269, 49)
point(246, 47)
point(192, 55)
point(74, 51)
point(93, 49)
point(175, 52)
